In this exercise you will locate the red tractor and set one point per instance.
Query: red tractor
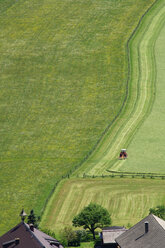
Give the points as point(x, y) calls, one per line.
point(123, 154)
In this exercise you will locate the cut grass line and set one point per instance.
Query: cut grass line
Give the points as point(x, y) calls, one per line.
point(63, 79)
point(150, 134)
point(128, 200)
point(140, 95)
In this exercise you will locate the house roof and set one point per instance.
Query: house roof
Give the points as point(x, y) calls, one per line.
point(109, 234)
point(137, 237)
point(28, 238)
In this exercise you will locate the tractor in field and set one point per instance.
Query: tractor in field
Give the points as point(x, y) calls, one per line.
point(123, 154)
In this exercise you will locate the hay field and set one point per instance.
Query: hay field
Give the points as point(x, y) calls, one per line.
point(128, 200)
point(63, 76)
point(141, 96)
point(149, 142)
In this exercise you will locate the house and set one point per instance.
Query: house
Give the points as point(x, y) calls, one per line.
point(26, 236)
point(148, 233)
point(109, 234)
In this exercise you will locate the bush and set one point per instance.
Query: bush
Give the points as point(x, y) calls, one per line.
point(83, 236)
point(68, 237)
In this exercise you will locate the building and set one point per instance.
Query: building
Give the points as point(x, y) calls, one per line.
point(26, 236)
point(148, 233)
point(109, 234)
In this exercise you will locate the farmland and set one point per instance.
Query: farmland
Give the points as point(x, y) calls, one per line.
point(139, 127)
point(63, 73)
point(128, 200)
point(151, 136)
point(141, 96)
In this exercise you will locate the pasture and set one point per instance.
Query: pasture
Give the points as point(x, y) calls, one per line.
point(140, 100)
point(128, 200)
point(149, 141)
point(63, 74)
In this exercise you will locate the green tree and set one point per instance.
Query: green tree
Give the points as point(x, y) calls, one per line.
point(32, 219)
point(92, 217)
point(158, 211)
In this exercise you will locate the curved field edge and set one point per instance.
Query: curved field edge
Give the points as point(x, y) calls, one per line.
point(140, 95)
point(57, 68)
point(127, 200)
point(149, 140)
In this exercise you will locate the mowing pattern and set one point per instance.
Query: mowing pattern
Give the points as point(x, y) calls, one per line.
point(150, 139)
point(63, 72)
point(140, 99)
point(128, 200)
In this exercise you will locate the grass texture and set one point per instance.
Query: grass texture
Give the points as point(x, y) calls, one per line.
point(150, 139)
point(128, 200)
point(63, 74)
point(141, 95)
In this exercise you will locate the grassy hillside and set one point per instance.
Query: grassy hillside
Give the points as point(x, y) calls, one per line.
point(128, 200)
point(63, 74)
point(141, 95)
point(151, 136)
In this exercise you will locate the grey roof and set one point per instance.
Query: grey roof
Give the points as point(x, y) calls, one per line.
point(136, 236)
point(113, 227)
point(109, 234)
point(28, 238)
point(46, 240)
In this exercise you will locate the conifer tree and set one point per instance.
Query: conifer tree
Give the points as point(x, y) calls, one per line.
point(32, 219)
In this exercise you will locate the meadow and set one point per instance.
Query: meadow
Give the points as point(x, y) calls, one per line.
point(142, 88)
point(63, 74)
point(149, 141)
point(127, 200)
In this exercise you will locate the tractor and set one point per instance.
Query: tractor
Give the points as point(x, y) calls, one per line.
point(123, 154)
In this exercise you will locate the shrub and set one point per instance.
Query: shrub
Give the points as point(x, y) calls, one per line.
point(68, 237)
point(83, 236)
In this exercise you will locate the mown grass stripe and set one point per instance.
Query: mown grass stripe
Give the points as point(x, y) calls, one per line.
point(128, 200)
point(63, 79)
point(140, 98)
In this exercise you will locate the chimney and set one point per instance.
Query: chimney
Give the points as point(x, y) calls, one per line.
point(31, 227)
point(146, 226)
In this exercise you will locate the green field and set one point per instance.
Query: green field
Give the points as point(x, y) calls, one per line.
point(149, 142)
point(63, 74)
point(141, 96)
point(128, 200)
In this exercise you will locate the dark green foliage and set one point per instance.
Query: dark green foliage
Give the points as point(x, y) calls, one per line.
point(91, 217)
point(158, 211)
point(83, 236)
point(33, 219)
point(69, 237)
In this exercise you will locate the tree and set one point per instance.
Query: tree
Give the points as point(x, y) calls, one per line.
point(32, 219)
point(158, 211)
point(92, 217)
